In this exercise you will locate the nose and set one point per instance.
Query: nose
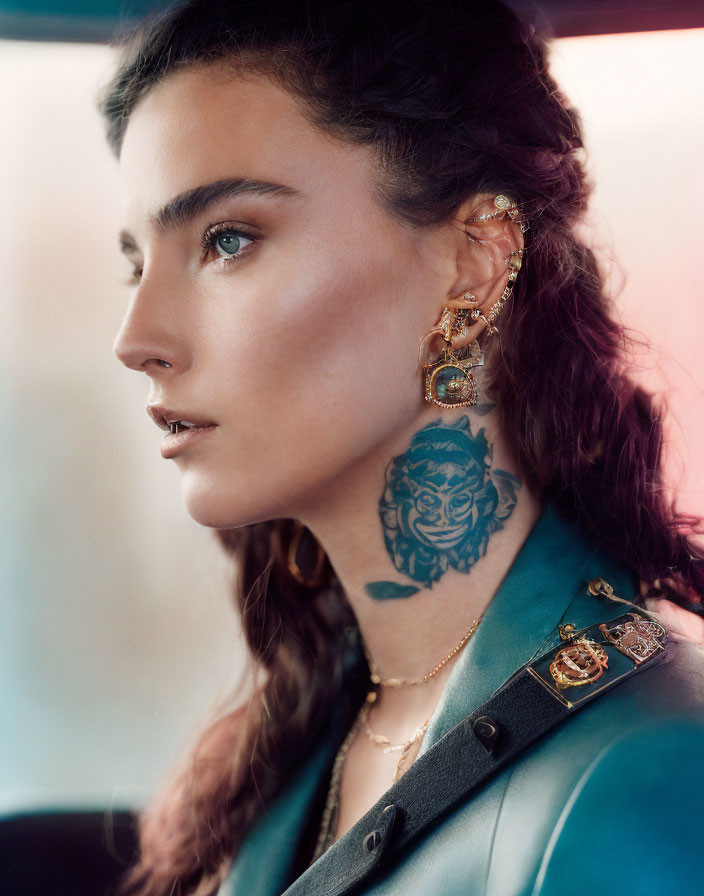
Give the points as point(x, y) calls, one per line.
point(146, 339)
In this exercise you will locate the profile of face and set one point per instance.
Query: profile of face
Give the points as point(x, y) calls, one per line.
point(285, 300)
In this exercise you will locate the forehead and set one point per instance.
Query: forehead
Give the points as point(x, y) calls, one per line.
point(207, 123)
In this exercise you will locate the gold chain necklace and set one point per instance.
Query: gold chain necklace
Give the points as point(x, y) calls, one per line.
point(384, 742)
point(328, 826)
point(376, 679)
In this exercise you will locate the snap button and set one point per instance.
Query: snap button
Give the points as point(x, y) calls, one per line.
point(372, 841)
point(375, 842)
point(487, 732)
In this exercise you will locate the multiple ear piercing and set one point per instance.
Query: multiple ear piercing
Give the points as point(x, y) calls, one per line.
point(447, 380)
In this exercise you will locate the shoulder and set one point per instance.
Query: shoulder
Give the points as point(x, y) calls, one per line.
point(674, 687)
point(634, 816)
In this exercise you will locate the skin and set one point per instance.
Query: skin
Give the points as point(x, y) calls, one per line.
point(303, 351)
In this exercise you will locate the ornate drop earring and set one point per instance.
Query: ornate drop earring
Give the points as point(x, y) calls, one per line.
point(448, 381)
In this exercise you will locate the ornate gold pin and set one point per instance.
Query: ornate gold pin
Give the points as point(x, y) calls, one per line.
point(567, 630)
point(581, 662)
point(637, 638)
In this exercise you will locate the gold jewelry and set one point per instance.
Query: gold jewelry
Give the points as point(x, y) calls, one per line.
point(328, 827)
point(376, 679)
point(504, 206)
point(580, 662)
point(513, 262)
point(405, 748)
point(317, 579)
point(447, 381)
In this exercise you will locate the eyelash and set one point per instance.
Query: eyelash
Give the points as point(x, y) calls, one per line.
point(208, 243)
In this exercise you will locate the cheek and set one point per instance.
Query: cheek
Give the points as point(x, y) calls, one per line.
point(315, 368)
point(351, 369)
point(325, 350)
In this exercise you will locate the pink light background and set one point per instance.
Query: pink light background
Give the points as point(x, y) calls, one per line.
point(640, 98)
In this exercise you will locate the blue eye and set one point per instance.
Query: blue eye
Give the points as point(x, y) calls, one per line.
point(229, 242)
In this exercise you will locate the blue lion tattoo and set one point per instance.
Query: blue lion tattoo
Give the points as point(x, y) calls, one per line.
point(441, 503)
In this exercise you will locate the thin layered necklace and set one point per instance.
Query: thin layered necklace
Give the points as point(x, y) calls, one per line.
point(328, 828)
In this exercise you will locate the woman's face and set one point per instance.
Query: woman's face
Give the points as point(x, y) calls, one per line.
point(290, 316)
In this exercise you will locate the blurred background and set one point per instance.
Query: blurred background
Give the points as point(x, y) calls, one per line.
point(117, 637)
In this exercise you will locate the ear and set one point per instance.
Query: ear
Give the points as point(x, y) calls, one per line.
point(483, 248)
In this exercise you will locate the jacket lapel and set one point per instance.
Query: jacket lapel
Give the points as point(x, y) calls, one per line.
point(262, 865)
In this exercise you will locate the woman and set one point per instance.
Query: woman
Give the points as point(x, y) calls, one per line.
point(386, 370)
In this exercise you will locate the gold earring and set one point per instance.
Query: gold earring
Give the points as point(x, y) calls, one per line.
point(504, 206)
point(317, 579)
point(447, 380)
point(513, 262)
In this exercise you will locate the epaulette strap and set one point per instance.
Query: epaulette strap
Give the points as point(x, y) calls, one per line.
point(535, 699)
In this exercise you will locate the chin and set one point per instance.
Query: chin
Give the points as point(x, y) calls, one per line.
point(212, 507)
point(213, 504)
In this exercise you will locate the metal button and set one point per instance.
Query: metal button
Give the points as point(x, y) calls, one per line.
point(375, 842)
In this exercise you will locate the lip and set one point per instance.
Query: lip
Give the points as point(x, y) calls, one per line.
point(173, 443)
point(164, 417)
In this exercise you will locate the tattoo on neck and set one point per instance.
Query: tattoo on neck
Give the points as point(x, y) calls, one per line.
point(441, 503)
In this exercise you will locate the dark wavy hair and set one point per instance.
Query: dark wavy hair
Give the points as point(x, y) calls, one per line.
point(457, 100)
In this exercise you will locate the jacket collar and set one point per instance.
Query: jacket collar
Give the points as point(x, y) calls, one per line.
point(545, 586)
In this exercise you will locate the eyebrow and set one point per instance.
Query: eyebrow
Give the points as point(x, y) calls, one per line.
point(189, 205)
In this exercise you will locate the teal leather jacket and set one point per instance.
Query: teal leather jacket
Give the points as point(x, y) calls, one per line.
point(611, 801)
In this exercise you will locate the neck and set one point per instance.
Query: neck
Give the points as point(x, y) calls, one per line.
point(421, 534)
